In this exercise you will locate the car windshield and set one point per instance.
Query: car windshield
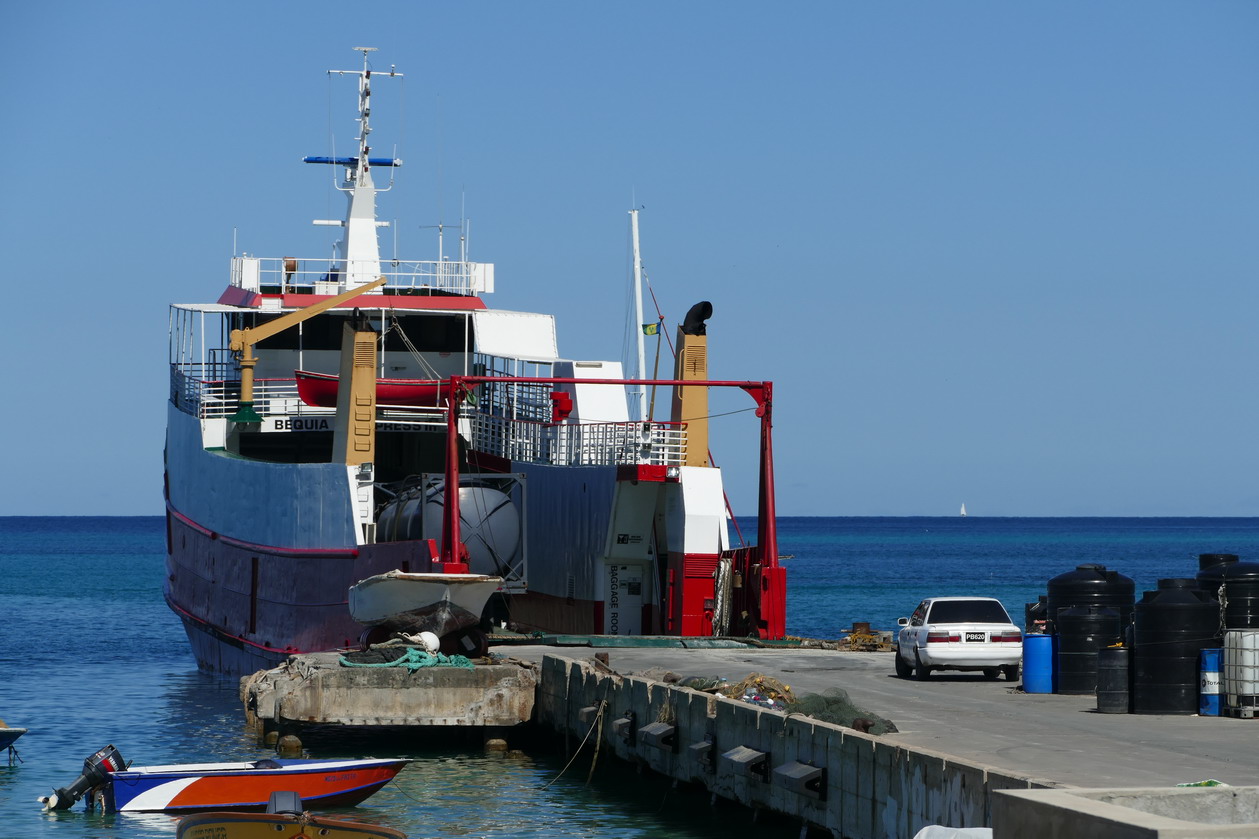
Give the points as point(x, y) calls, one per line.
point(968, 611)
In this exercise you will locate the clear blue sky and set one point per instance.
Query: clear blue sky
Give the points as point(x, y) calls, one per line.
point(989, 252)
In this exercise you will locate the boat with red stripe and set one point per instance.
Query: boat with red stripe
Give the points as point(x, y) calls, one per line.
point(115, 787)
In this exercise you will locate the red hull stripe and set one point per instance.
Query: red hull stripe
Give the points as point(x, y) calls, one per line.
point(223, 634)
point(254, 546)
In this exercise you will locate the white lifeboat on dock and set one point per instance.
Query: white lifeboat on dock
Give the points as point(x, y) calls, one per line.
point(411, 603)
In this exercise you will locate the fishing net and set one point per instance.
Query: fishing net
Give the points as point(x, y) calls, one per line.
point(412, 658)
point(834, 706)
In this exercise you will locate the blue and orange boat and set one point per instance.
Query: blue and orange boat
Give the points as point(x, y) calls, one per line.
point(108, 782)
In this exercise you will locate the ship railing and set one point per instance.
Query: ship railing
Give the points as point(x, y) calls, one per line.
point(578, 444)
point(292, 275)
point(218, 397)
point(528, 402)
point(203, 391)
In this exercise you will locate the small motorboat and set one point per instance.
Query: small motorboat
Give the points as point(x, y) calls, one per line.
point(116, 787)
point(319, 390)
point(285, 818)
point(8, 736)
point(422, 602)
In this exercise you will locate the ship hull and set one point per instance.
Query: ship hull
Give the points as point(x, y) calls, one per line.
point(240, 620)
point(247, 607)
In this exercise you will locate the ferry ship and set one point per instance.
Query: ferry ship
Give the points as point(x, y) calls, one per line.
point(334, 419)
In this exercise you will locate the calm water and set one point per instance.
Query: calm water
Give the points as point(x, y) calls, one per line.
point(90, 655)
point(877, 569)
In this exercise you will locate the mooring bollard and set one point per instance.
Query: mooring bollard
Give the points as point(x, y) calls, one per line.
point(289, 746)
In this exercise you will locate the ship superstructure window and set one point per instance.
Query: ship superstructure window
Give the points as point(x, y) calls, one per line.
point(426, 332)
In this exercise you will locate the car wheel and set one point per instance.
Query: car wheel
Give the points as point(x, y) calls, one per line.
point(1011, 672)
point(991, 672)
point(921, 671)
point(902, 666)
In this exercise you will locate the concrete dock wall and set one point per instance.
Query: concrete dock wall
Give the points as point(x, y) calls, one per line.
point(314, 689)
point(851, 784)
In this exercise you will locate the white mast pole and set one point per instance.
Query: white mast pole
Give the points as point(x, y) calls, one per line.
point(640, 372)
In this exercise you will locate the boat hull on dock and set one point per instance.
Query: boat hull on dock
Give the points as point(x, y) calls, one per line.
point(422, 602)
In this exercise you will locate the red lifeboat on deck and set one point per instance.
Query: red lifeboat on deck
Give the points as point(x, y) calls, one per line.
point(319, 390)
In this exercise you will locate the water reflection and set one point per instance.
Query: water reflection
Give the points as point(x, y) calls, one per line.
point(102, 660)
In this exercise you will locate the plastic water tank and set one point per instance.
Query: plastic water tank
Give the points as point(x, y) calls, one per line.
point(1082, 630)
point(1171, 626)
point(1113, 696)
point(1034, 615)
point(1091, 585)
point(1211, 571)
point(1241, 595)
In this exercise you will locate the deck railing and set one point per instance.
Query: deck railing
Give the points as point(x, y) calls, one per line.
point(521, 440)
point(290, 275)
point(579, 444)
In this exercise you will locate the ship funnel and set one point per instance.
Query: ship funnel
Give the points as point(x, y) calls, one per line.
point(690, 404)
point(96, 771)
point(693, 323)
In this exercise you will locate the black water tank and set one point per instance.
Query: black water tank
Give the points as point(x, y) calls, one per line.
point(1241, 595)
point(1082, 631)
point(1112, 680)
point(1091, 585)
point(1034, 615)
point(1170, 627)
point(1211, 571)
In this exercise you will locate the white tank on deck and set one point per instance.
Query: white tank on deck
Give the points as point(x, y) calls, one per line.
point(489, 523)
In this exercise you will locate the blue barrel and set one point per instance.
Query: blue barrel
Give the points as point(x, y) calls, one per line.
point(1038, 663)
point(1209, 684)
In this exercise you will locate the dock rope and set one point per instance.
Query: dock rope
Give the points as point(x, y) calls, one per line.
point(416, 659)
point(596, 723)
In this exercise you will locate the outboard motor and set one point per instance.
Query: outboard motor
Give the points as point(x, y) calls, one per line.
point(285, 801)
point(96, 771)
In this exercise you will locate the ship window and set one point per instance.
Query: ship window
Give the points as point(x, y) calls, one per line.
point(427, 332)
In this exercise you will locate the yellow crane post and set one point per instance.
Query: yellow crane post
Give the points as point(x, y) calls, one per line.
point(243, 340)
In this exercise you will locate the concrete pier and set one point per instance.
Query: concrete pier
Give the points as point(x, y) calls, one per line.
point(858, 786)
point(967, 753)
point(831, 778)
point(314, 689)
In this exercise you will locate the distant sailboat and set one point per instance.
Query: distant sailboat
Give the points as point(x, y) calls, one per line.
point(963, 511)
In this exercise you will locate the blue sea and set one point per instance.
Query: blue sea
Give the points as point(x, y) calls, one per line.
point(90, 655)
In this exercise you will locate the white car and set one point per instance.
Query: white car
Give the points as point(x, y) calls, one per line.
point(959, 633)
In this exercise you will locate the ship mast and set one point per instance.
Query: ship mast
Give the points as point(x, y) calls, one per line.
point(641, 370)
point(357, 255)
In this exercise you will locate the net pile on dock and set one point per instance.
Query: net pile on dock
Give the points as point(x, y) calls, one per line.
point(412, 658)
